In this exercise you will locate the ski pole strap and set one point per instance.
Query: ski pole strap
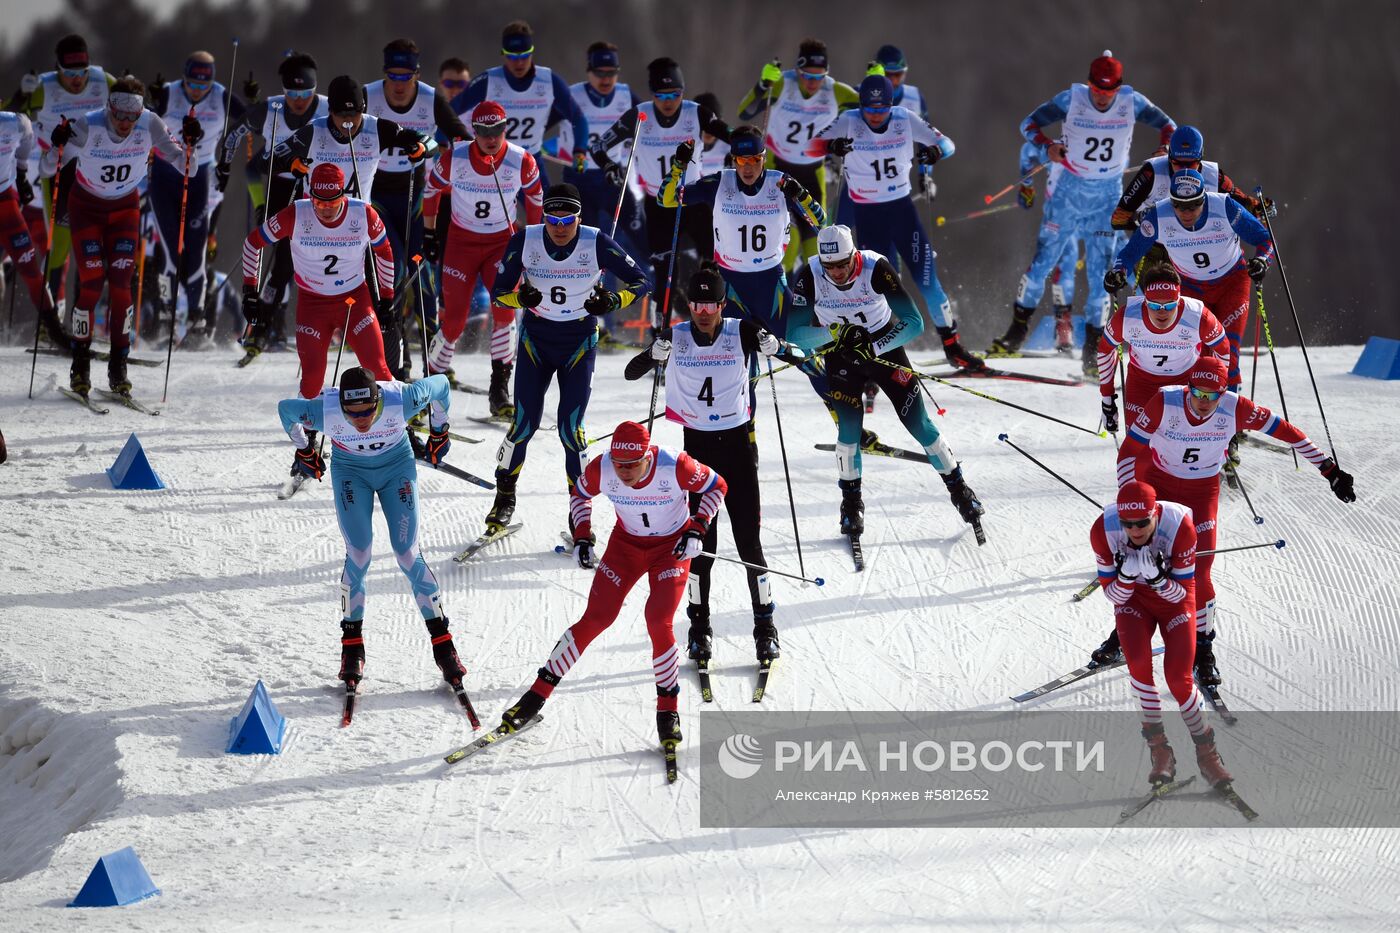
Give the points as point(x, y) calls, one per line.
point(1007, 440)
point(734, 560)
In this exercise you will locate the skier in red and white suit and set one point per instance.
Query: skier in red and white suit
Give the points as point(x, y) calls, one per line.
point(655, 536)
point(1165, 334)
point(485, 177)
point(328, 233)
point(1178, 445)
point(1146, 554)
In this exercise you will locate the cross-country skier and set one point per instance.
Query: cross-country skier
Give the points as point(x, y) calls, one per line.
point(16, 144)
point(1164, 334)
point(1152, 182)
point(1178, 445)
point(1146, 554)
point(1062, 276)
point(111, 148)
point(707, 390)
point(453, 77)
point(656, 536)
point(484, 178)
point(329, 233)
point(855, 295)
point(877, 144)
point(1096, 122)
point(366, 421)
point(553, 272)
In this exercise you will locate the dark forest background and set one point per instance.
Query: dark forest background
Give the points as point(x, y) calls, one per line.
point(1297, 96)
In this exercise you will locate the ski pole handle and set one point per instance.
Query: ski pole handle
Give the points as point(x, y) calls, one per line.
point(734, 560)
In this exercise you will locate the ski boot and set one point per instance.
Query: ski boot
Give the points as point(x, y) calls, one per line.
point(116, 371)
point(668, 724)
point(444, 652)
point(53, 327)
point(1110, 652)
point(1064, 330)
point(1163, 758)
point(964, 499)
point(504, 506)
point(958, 356)
point(852, 508)
point(196, 338)
point(870, 441)
point(498, 395)
point(1009, 343)
point(1207, 674)
point(765, 634)
point(352, 651)
point(699, 643)
point(1208, 760)
point(524, 710)
point(80, 373)
point(1089, 357)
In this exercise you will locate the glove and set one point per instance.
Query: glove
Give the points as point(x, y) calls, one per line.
point(1340, 480)
point(840, 146)
point(581, 161)
point(1116, 279)
point(583, 553)
point(191, 131)
point(252, 306)
point(250, 89)
point(61, 133)
point(309, 463)
point(692, 540)
point(29, 83)
point(1267, 208)
point(768, 344)
point(791, 353)
point(1154, 571)
point(874, 68)
point(1110, 413)
point(222, 170)
point(853, 340)
point(528, 295)
point(1258, 268)
point(928, 155)
point(791, 187)
point(22, 186)
point(438, 445)
point(771, 74)
point(685, 154)
point(384, 310)
point(1130, 566)
point(1025, 196)
point(601, 301)
point(300, 167)
point(432, 249)
point(660, 349)
point(615, 174)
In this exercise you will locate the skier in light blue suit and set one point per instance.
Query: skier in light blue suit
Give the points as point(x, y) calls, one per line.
point(1096, 125)
point(366, 422)
point(1062, 276)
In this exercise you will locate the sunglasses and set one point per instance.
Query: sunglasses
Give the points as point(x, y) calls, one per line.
point(298, 95)
point(1205, 396)
point(198, 85)
point(73, 72)
point(666, 95)
point(455, 84)
point(554, 220)
point(874, 110)
point(606, 72)
point(1159, 305)
point(748, 160)
point(358, 413)
point(706, 307)
point(518, 56)
point(400, 75)
point(126, 116)
point(811, 75)
point(1143, 523)
point(490, 132)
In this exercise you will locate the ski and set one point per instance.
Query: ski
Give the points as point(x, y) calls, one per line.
point(97, 355)
point(291, 486)
point(460, 473)
point(465, 438)
point(247, 357)
point(884, 450)
point(1253, 441)
point(668, 753)
point(1074, 676)
point(707, 693)
point(486, 540)
point(1231, 795)
point(1212, 693)
point(497, 734)
point(123, 398)
point(1158, 792)
point(567, 549)
point(857, 553)
point(352, 694)
point(466, 702)
point(470, 390)
point(1087, 591)
point(765, 669)
point(494, 421)
point(989, 373)
point(83, 400)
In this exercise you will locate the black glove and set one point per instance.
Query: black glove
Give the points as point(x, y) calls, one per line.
point(791, 187)
point(840, 146)
point(309, 463)
point(685, 154)
point(928, 155)
point(22, 186)
point(692, 540)
point(1340, 480)
point(1115, 280)
point(615, 174)
point(528, 295)
point(191, 131)
point(1155, 573)
point(61, 134)
point(250, 89)
point(854, 340)
point(601, 301)
point(1258, 268)
point(1110, 413)
point(222, 170)
point(432, 249)
point(384, 310)
point(583, 552)
point(252, 305)
point(438, 445)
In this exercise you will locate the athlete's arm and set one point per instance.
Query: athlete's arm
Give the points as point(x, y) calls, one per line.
point(908, 323)
point(756, 100)
point(1052, 111)
point(503, 293)
point(696, 477)
point(532, 189)
point(473, 95)
point(1135, 455)
point(300, 415)
point(433, 393)
point(697, 192)
point(1139, 243)
point(445, 118)
point(383, 251)
point(613, 258)
point(1106, 563)
point(1133, 195)
point(1250, 230)
point(1150, 114)
point(275, 228)
point(625, 128)
point(1109, 340)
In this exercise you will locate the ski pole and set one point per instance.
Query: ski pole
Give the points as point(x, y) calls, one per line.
point(989, 198)
point(989, 398)
point(787, 476)
point(819, 581)
point(1254, 371)
point(631, 154)
point(944, 221)
point(1007, 440)
point(1297, 322)
point(340, 351)
point(1278, 380)
point(666, 302)
point(1239, 481)
point(250, 327)
point(1094, 583)
point(179, 261)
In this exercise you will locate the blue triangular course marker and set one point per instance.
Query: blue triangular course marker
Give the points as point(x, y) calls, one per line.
point(258, 728)
point(1379, 360)
point(132, 470)
point(117, 879)
point(1043, 337)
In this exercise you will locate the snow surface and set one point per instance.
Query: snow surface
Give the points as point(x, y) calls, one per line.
point(135, 623)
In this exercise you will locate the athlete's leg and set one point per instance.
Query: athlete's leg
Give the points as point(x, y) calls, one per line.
point(317, 319)
point(364, 334)
point(533, 372)
point(123, 227)
point(575, 378)
point(1135, 630)
point(398, 498)
point(354, 510)
point(667, 577)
